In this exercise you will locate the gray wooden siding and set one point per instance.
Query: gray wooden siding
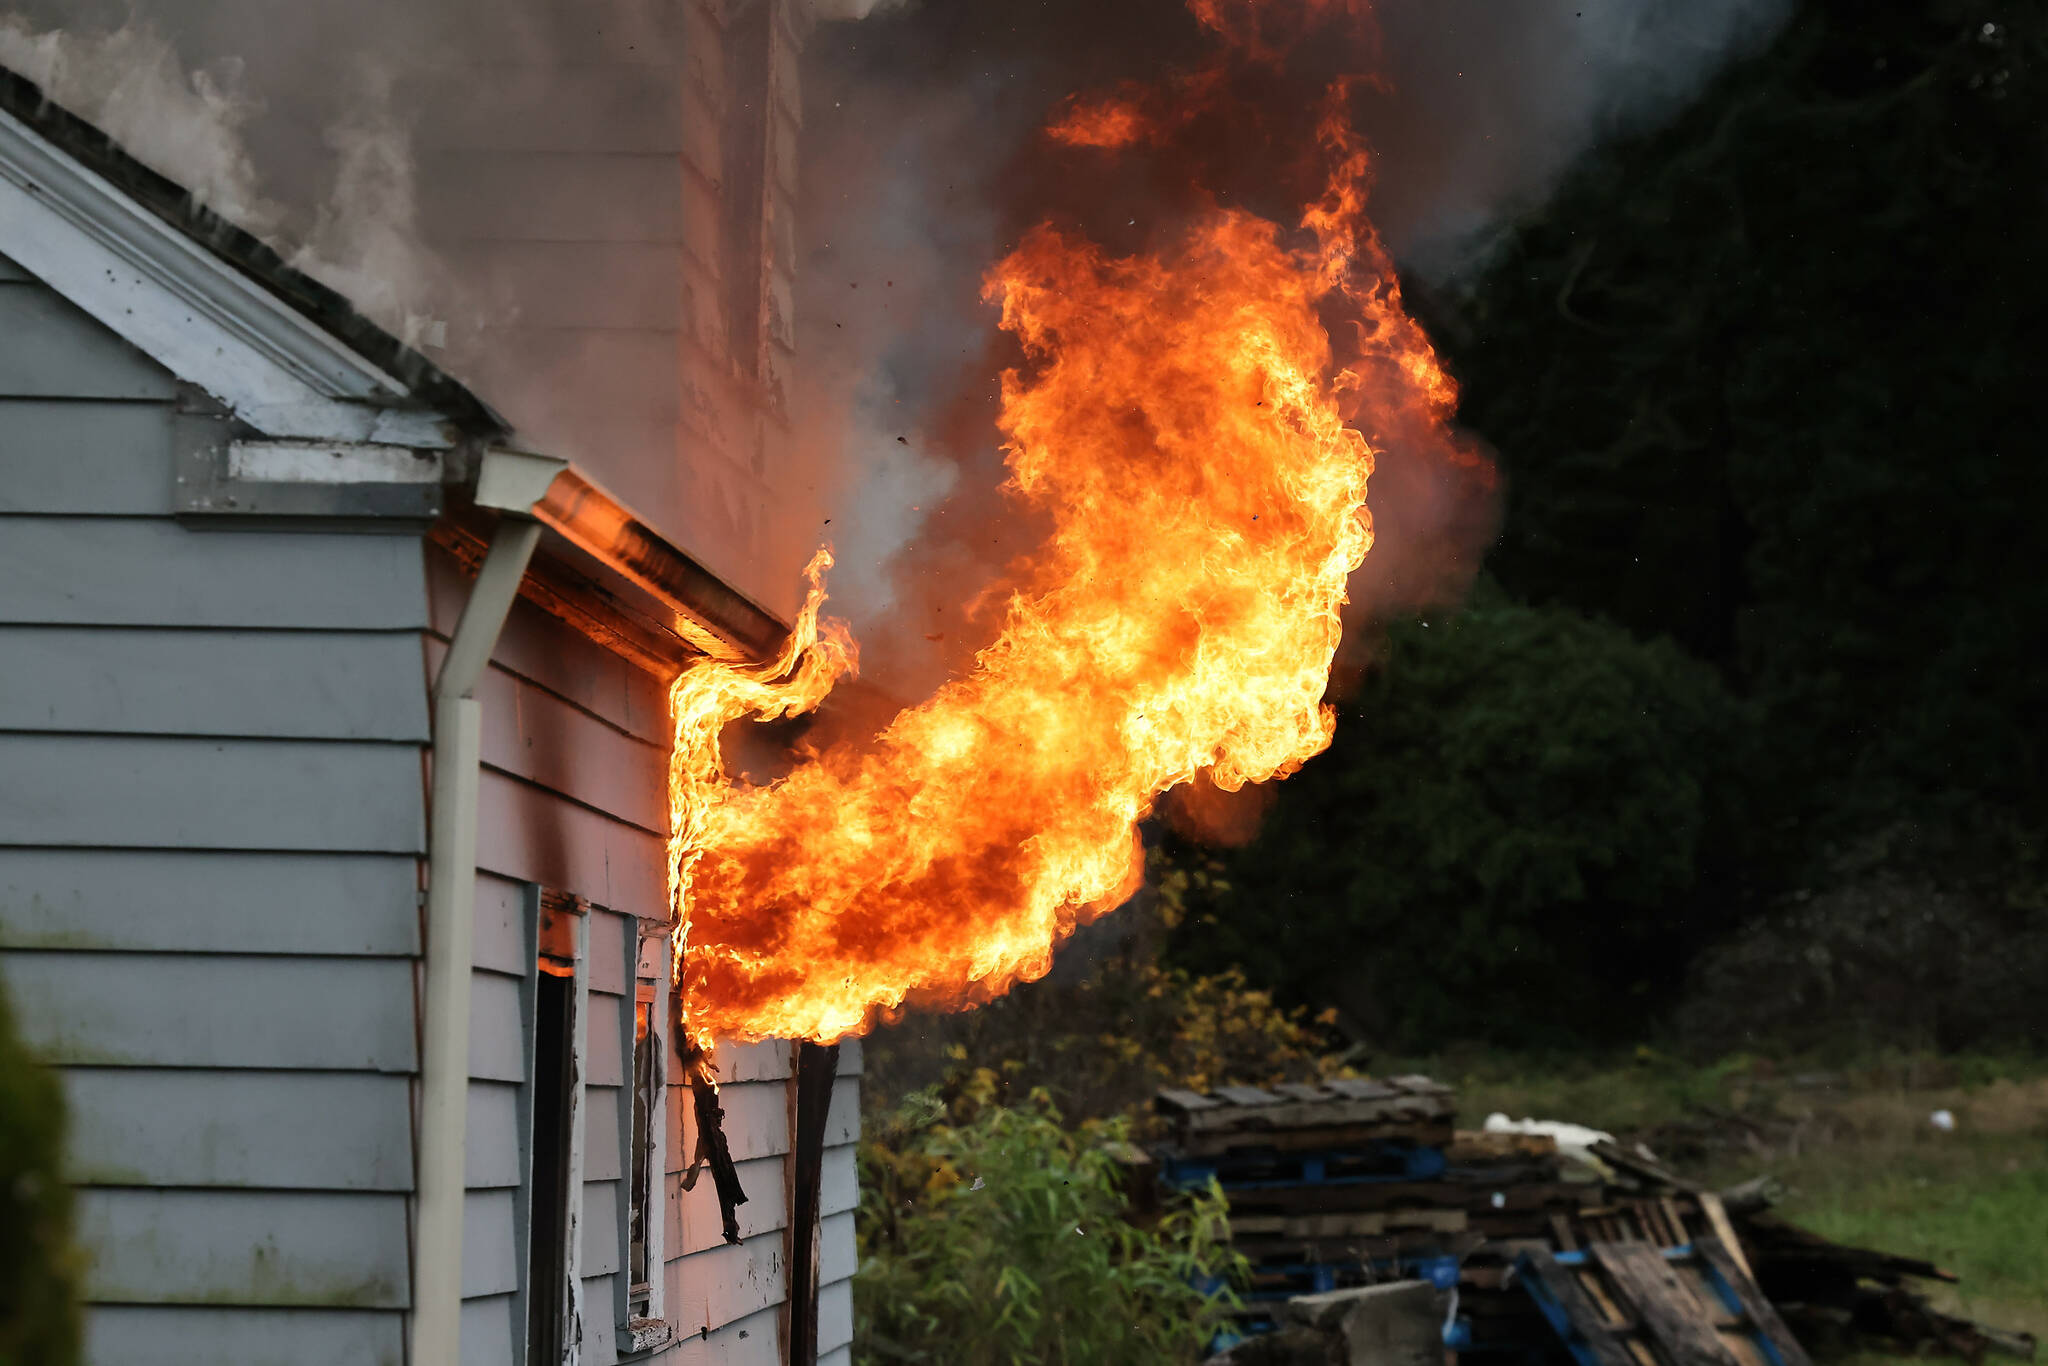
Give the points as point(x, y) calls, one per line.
point(216, 1247)
point(149, 1335)
point(838, 1196)
point(302, 685)
point(210, 837)
point(51, 349)
point(151, 572)
point(573, 798)
point(212, 1011)
point(95, 459)
point(252, 1130)
point(155, 793)
point(206, 901)
point(491, 1324)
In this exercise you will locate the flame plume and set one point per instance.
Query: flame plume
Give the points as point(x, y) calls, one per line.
point(1199, 452)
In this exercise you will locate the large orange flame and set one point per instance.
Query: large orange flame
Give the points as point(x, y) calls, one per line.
point(1196, 447)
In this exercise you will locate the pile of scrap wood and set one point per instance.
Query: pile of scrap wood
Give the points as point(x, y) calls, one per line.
point(1603, 1256)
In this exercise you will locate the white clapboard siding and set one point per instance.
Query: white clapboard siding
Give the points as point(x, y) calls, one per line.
point(535, 735)
point(65, 455)
point(530, 834)
point(835, 1316)
point(609, 932)
point(838, 1255)
point(604, 1131)
point(134, 1126)
point(546, 652)
point(490, 1326)
point(586, 373)
point(201, 901)
point(134, 571)
point(151, 792)
point(489, 1263)
point(603, 1235)
point(610, 284)
point(497, 1036)
point(600, 1336)
point(765, 1060)
point(839, 1181)
point(490, 200)
point(354, 685)
point(244, 1247)
point(755, 1340)
point(842, 1117)
point(491, 1135)
point(612, 109)
point(838, 1356)
point(710, 1289)
point(50, 348)
point(604, 1057)
point(695, 1222)
point(756, 1123)
point(502, 942)
point(194, 1010)
point(155, 1335)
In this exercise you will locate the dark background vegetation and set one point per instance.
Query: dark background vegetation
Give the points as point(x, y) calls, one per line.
point(1712, 815)
point(1739, 742)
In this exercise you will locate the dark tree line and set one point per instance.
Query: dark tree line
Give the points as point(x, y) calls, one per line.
point(1768, 617)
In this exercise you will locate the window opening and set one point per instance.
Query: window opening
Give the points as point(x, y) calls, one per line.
point(554, 1081)
point(646, 1118)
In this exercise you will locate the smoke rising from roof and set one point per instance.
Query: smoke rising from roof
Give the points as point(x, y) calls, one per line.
point(370, 140)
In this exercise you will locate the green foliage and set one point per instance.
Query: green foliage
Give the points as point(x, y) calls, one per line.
point(38, 1295)
point(994, 1236)
point(1110, 1027)
point(1508, 833)
point(1764, 381)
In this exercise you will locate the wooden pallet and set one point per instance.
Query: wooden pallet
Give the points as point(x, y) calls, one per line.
point(1231, 1112)
point(1634, 1304)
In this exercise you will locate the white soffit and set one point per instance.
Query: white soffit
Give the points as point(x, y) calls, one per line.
point(191, 312)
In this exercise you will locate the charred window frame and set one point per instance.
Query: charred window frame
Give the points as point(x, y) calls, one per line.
point(549, 1206)
point(645, 1128)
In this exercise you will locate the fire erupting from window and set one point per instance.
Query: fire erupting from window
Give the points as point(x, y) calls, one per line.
point(1196, 424)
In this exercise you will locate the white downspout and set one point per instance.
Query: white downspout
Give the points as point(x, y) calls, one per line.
point(511, 482)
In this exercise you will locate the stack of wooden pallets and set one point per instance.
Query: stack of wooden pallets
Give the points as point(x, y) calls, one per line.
point(1611, 1261)
point(1330, 1185)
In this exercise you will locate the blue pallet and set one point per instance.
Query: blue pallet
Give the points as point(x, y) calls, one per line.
point(1400, 1162)
point(1439, 1271)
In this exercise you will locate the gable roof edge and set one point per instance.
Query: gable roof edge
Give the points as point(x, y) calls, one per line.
point(110, 249)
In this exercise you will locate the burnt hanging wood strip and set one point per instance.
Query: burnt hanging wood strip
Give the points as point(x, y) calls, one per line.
point(817, 1066)
point(712, 1149)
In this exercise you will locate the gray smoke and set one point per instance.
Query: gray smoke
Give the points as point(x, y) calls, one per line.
point(363, 138)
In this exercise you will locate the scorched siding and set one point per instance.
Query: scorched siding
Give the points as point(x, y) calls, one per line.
point(575, 752)
point(209, 846)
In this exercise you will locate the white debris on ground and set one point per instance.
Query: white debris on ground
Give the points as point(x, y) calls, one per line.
point(1574, 1140)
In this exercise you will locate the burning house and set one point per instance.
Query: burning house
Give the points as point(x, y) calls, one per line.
point(334, 865)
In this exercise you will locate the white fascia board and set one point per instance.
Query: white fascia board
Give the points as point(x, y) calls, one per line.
point(330, 462)
point(188, 310)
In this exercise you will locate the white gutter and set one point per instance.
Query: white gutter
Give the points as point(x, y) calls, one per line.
point(512, 483)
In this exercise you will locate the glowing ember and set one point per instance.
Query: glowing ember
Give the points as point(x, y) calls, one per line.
point(1197, 449)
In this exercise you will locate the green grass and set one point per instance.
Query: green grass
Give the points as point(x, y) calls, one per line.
point(1851, 1145)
